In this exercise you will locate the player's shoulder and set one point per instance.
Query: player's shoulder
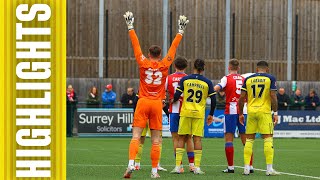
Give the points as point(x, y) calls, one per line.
point(205, 79)
point(271, 77)
point(186, 77)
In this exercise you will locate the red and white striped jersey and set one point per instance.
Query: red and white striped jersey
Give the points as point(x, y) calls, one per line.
point(172, 83)
point(232, 84)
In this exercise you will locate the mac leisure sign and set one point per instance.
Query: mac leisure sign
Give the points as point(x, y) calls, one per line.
point(299, 124)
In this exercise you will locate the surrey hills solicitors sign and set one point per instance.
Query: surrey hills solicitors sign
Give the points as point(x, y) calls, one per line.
point(91, 120)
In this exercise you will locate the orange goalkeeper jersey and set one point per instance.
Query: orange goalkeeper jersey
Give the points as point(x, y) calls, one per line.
point(153, 74)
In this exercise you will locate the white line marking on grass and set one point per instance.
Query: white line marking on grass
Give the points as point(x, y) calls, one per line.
point(119, 165)
point(290, 174)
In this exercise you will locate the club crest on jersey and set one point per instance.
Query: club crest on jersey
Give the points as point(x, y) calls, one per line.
point(169, 58)
point(143, 57)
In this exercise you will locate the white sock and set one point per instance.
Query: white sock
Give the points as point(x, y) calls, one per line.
point(251, 167)
point(269, 167)
point(247, 166)
point(131, 163)
point(154, 170)
point(158, 164)
point(231, 167)
point(137, 164)
point(191, 164)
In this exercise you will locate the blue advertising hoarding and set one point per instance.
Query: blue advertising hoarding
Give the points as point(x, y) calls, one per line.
point(216, 128)
point(291, 124)
point(298, 124)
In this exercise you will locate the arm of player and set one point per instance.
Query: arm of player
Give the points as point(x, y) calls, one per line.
point(182, 22)
point(222, 84)
point(177, 95)
point(128, 16)
point(212, 95)
point(179, 91)
point(136, 47)
point(172, 50)
point(212, 108)
point(274, 106)
point(241, 101)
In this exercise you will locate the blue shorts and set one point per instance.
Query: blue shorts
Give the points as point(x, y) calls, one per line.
point(174, 121)
point(231, 122)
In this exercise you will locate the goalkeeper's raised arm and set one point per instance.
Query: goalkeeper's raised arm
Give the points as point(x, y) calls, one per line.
point(182, 24)
point(128, 16)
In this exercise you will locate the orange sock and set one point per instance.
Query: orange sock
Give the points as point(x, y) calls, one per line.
point(155, 155)
point(133, 148)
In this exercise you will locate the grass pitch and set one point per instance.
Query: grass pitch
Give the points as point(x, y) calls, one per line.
point(107, 158)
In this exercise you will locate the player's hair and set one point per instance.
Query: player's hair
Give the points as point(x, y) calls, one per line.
point(199, 65)
point(234, 64)
point(155, 50)
point(181, 63)
point(262, 64)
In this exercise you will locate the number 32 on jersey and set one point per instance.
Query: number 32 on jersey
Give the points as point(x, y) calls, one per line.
point(150, 80)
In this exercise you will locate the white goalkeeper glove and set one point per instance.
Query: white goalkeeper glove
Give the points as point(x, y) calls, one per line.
point(128, 16)
point(182, 23)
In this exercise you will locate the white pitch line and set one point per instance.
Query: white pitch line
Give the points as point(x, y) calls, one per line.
point(119, 165)
point(290, 174)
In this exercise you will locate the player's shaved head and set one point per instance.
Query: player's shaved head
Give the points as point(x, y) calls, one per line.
point(155, 51)
point(262, 66)
point(234, 64)
point(181, 63)
point(199, 65)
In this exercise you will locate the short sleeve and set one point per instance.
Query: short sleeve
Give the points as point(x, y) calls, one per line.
point(244, 86)
point(223, 82)
point(210, 90)
point(273, 84)
point(166, 85)
point(180, 87)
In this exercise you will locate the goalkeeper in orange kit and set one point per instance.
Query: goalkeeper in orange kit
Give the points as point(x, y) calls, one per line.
point(153, 74)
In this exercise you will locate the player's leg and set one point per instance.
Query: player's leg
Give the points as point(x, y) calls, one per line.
point(137, 160)
point(139, 123)
point(266, 129)
point(155, 151)
point(159, 166)
point(174, 126)
point(133, 150)
point(190, 152)
point(242, 132)
point(183, 131)
point(229, 129)
point(251, 129)
point(155, 124)
point(197, 132)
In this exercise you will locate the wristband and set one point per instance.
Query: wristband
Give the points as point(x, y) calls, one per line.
point(275, 113)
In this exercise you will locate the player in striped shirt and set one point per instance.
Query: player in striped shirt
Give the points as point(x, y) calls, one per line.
point(172, 83)
point(232, 84)
point(153, 74)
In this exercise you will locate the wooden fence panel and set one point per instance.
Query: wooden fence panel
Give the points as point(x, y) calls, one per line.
point(260, 34)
